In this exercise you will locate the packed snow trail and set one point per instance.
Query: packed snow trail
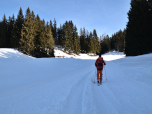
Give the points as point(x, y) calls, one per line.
point(64, 86)
point(119, 94)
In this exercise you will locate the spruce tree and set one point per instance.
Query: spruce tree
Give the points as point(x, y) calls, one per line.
point(76, 41)
point(112, 42)
point(42, 40)
point(82, 40)
point(38, 29)
point(4, 33)
point(96, 42)
point(87, 42)
point(55, 32)
point(16, 32)
point(67, 38)
point(10, 29)
point(105, 45)
point(91, 45)
point(60, 34)
point(27, 35)
point(49, 41)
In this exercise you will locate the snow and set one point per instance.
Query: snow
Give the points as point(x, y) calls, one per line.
point(65, 85)
point(113, 55)
point(12, 53)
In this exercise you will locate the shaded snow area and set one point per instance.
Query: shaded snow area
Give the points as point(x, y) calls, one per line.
point(65, 85)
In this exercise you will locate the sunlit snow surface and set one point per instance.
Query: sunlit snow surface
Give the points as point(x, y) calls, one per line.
point(11, 53)
point(65, 85)
point(108, 56)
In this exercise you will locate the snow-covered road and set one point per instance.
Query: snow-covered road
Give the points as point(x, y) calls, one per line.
point(65, 86)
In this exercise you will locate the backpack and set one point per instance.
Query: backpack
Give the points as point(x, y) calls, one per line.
point(100, 62)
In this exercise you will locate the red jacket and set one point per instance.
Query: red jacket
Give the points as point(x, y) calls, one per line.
point(99, 63)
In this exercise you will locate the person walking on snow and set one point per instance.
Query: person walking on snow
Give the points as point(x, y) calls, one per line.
point(99, 65)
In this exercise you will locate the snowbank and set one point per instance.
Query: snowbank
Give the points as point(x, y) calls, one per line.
point(12, 53)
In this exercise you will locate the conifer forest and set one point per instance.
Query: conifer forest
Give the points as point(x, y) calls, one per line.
point(35, 37)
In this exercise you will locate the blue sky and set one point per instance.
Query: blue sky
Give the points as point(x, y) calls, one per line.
point(106, 16)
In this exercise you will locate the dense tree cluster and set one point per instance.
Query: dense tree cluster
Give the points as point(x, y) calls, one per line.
point(89, 42)
point(29, 35)
point(68, 37)
point(118, 41)
point(34, 37)
point(115, 42)
point(138, 31)
point(105, 44)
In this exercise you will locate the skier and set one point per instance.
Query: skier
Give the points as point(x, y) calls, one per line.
point(99, 65)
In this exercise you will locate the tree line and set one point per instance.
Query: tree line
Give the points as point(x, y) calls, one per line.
point(115, 42)
point(36, 38)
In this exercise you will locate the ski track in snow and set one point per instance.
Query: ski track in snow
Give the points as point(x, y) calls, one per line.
point(118, 95)
point(70, 89)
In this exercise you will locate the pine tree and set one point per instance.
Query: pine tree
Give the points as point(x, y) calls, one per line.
point(96, 42)
point(67, 38)
point(16, 32)
point(87, 42)
point(112, 42)
point(49, 41)
point(91, 45)
point(4, 35)
point(38, 24)
point(42, 40)
point(76, 41)
point(10, 29)
point(27, 35)
point(105, 45)
point(82, 40)
point(71, 38)
point(119, 41)
point(60, 34)
point(55, 32)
